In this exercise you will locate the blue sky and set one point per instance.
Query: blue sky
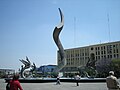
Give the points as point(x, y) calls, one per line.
point(26, 28)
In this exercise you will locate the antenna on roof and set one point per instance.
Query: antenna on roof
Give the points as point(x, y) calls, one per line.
point(74, 31)
point(108, 26)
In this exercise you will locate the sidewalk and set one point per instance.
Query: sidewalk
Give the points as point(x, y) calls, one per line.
point(63, 86)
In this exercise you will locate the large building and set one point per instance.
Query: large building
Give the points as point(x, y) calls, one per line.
point(78, 57)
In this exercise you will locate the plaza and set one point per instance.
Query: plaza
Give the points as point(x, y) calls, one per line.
point(63, 86)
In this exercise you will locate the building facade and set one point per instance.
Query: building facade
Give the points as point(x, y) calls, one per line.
point(78, 57)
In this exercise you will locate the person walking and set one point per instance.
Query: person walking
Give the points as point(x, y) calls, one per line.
point(15, 84)
point(58, 80)
point(8, 86)
point(77, 78)
point(112, 82)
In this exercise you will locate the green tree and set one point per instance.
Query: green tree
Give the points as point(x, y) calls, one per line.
point(103, 66)
point(115, 65)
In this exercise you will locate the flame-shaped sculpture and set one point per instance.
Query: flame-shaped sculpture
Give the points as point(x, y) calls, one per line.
point(27, 65)
point(56, 34)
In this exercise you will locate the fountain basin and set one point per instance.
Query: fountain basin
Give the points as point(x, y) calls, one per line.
point(46, 80)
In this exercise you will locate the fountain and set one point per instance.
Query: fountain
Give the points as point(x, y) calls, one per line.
point(27, 64)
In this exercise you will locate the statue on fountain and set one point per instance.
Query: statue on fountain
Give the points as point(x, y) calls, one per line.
point(89, 70)
point(27, 65)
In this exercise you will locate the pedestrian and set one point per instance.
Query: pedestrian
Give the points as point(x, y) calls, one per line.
point(77, 78)
point(58, 80)
point(15, 84)
point(112, 82)
point(8, 86)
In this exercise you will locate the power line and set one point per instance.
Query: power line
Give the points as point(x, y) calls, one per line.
point(108, 26)
point(74, 31)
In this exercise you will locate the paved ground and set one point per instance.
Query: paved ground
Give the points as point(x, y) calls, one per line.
point(63, 86)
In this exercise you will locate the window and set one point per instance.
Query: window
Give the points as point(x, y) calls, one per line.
point(101, 48)
point(117, 50)
point(117, 56)
point(96, 57)
point(104, 56)
point(109, 49)
point(114, 56)
point(110, 56)
point(104, 52)
point(113, 45)
point(104, 47)
point(96, 48)
point(101, 52)
point(114, 51)
point(91, 48)
point(96, 53)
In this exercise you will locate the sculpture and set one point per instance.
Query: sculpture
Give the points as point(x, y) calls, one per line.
point(89, 69)
point(27, 64)
point(91, 63)
point(56, 34)
point(33, 68)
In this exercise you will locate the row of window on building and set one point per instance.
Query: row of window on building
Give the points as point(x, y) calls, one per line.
point(79, 56)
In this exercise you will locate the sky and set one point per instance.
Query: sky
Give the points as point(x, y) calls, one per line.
point(26, 28)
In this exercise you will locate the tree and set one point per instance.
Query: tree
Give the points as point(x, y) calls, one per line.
point(115, 65)
point(103, 66)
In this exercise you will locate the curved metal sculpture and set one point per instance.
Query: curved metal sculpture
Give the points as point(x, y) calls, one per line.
point(56, 34)
point(27, 65)
point(89, 70)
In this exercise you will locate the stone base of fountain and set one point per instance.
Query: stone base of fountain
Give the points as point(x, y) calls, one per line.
point(47, 80)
